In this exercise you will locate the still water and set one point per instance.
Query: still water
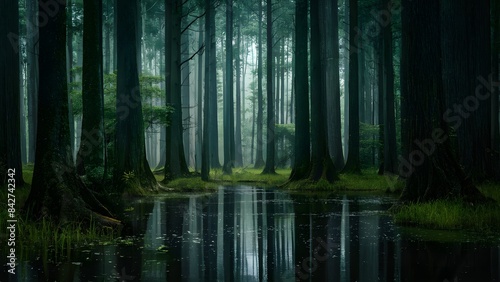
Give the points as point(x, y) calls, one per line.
point(250, 234)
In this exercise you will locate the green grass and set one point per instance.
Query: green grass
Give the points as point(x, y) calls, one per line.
point(367, 181)
point(450, 215)
point(43, 235)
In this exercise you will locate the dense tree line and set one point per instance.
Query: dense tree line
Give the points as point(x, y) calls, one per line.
point(179, 86)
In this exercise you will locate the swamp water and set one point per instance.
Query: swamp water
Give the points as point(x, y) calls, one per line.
point(251, 234)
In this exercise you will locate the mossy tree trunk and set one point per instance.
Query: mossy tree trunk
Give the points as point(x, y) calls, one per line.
point(430, 166)
point(131, 173)
point(57, 192)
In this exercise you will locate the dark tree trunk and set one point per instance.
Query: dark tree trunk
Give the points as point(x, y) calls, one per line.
point(495, 134)
point(238, 157)
point(465, 66)
point(212, 96)
point(107, 25)
point(90, 159)
point(130, 151)
point(10, 134)
point(176, 165)
point(321, 163)
point(389, 129)
point(352, 163)
point(270, 140)
point(205, 150)
point(302, 161)
point(57, 192)
point(185, 91)
point(259, 157)
point(431, 169)
point(346, 77)
point(228, 98)
point(32, 74)
point(199, 107)
point(332, 82)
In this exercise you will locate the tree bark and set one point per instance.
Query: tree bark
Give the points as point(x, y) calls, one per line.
point(228, 98)
point(10, 92)
point(321, 163)
point(431, 169)
point(238, 157)
point(57, 192)
point(132, 173)
point(259, 157)
point(205, 150)
point(270, 141)
point(352, 164)
point(302, 161)
point(90, 158)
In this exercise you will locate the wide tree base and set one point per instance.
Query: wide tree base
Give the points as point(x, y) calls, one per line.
point(64, 198)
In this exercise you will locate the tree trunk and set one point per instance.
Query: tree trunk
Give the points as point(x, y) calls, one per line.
point(495, 134)
point(132, 173)
point(205, 150)
point(90, 159)
point(465, 66)
point(57, 192)
point(228, 98)
point(238, 157)
point(176, 162)
point(259, 157)
point(332, 81)
point(301, 163)
point(213, 123)
point(346, 77)
point(431, 169)
point(321, 163)
point(352, 164)
point(199, 108)
point(32, 74)
point(185, 85)
point(10, 135)
point(270, 141)
point(390, 149)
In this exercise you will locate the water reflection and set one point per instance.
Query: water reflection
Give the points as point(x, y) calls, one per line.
point(250, 234)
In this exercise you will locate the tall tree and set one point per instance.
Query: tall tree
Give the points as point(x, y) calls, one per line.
point(464, 45)
point(185, 87)
point(228, 99)
point(332, 81)
point(238, 153)
point(205, 149)
point(32, 74)
point(176, 161)
point(270, 140)
point(430, 166)
point(199, 108)
point(301, 164)
point(495, 130)
point(352, 164)
point(212, 122)
point(57, 192)
point(91, 152)
point(132, 173)
point(259, 157)
point(321, 163)
point(10, 134)
point(389, 129)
